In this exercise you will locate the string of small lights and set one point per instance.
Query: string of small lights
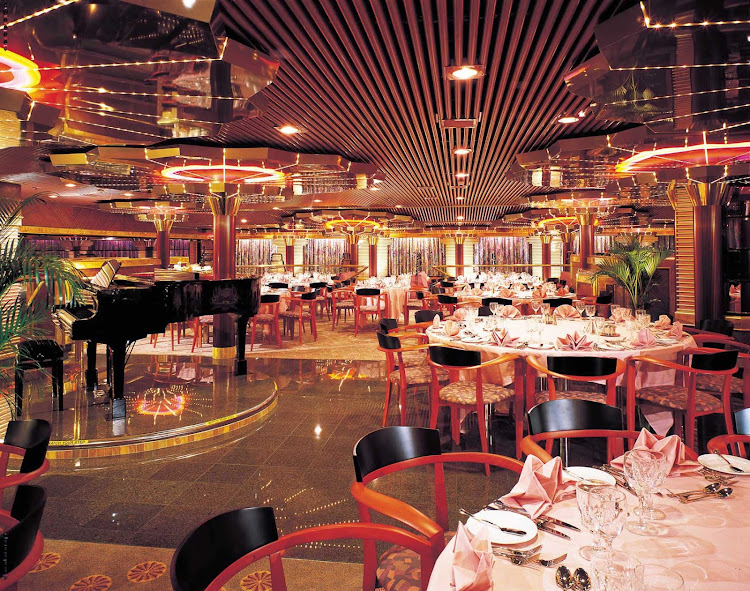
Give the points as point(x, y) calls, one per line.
point(60, 4)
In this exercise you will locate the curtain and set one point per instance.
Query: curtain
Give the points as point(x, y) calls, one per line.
point(411, 255)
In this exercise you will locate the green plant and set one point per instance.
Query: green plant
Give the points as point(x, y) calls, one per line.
point(20, 265)
point(632, 264)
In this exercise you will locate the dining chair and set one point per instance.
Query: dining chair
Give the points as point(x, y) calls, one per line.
point(321, 301)
point(742, 422)
point(278, 285)
point(419, 301)
point(28, 440)
point(387, 324)
point(342, 300)
point(484, 311)
point(555, 302)
point(397, 449)
point(448, 286)
point(472, 394)
point(737, 443)
point(719, 325)
point(427, 315)
point(39, 354)
point(21, 545)
point(589, 370)
point(368, 301)
point(225, 545)
point(301, 308)
point(739, 384)
point(447, 303)
point(682, 397)
point(501, 301)
point(603, 303)
point(268, 315)
point(406, 367)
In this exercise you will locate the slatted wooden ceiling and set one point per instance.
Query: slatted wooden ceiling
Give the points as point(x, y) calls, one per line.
point(365, 78)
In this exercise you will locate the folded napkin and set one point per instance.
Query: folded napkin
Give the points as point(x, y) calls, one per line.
point(566, 311)
point(539, 292)
point(575, 342)
point(519, 287)
point(451, 328)
point(673, 449)
point(508, 312)
point(505, 293)
point(476, 291)
point(621, 314)
point(735, 291)
point(539, 486)
point(471, 567)
point(563, 291)
point(644, 339)
point(459, 314)
point(502, 337)
point(663, 323)
point(676, 331)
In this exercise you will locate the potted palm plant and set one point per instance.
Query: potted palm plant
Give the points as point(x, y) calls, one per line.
point(632, 264)
point(22, 265)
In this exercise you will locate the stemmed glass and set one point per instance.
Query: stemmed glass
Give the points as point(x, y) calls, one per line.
point(590, 310)
point(580, 306)
point(643, 468)
point(536, 304)
point(545, 308)
point(659, 478)
point(584, 492)
point(608, 512)
point(616, 572)
point(494, 308)
point(642, 317)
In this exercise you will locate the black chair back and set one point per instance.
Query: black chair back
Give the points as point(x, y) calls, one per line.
point(717, 325)
point(17, 542)
point(278, 285)
point(553, 279)
point(391, 445)
point(388, 324)
point(501, 301)
point(387, 341)
point(604, 299)
point(299, 288)
point(484, 311)
point(455, 357)
point(446, 284)
point(562, 282)
point(367, 291)
point(564, 414)
point(715, 361)
point(309, 295)
point(426, 315)
point(555, 302)
point(270, 298)
point(33, 436)
point(742, 422)
point(447, 299)
point(318, 284)
point(219, 542)
point(582, 366)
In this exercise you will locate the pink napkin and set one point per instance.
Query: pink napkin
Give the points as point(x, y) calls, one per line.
point(566, 311)
point(519, 287)
point(476, 291)
point(563, 291)
point(676, 331)
point(471, 568)
point(663, 323)
point(644, 339)
point(459, 314)
point(672, 447)
point(451, 328)
point(575, 342)
point(502, 337)
point(539, 486)
point(735, 291)
point(506, 293)
point(539, 292)
point(508, 312)
point(621, 314)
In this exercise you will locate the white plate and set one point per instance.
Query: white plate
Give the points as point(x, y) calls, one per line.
point(611, 346)
point(503, 519)
point(586, 473)
point(714, 462)
point(540, 346)
point(474, 339)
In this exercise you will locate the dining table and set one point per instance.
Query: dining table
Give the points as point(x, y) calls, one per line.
point(703, 541)
point(519, 299)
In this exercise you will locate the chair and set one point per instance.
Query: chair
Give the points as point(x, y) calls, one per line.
point(22, 543)
point(418, 302)
point(447, 303)
point(201, 323)
point(368, 300)
point(473, 394)
point(739, 384)
point(278, 285)
point(555, 302)
point(38, 354)
point(405, 371)
point(484, 311)
point(501, 301)
point(394, 449)
point(321, 301)
point(554, 280)
point(270, 303)
point(448, 286)
point(587, 369)
point(29, 440)
point(742, 421)
point(342, 300)
point(301, 308)
point(717, 325)
point(427, 315)
point(737, 443)
point(387, 324)
point(225, 545)
point(685, 399)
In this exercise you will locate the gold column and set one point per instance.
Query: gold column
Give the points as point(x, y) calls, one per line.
point(546, 255)
point(163, 225)
point(289, 252)
point(372, 242)
point(565, 239)
point(353, 240)
point(459, 240)
point(586, 224)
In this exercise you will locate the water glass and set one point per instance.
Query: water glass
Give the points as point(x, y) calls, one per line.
point(660, 578)
point(608, 511)
point(545, 308)
point(590, 310)
point(584, 493)
point(643, 469)
point(580, 305)
point(616, 571)
point(642, 317)
point(494, 307)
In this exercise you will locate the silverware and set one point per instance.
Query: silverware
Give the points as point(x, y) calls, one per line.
point(517, 552)
point(714, 476)
point(547, 563)
point(582, 580)
point(507, 530)
point(541, 524)
point(564, 578)
point(711, 488)
point(722, 493)
point(728, 463)
point(498, 504)
point(619, 477)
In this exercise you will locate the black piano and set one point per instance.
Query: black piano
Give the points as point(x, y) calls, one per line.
point(130, 310)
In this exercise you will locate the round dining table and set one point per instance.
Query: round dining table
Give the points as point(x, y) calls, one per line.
point(703, 541)
point(521, 299)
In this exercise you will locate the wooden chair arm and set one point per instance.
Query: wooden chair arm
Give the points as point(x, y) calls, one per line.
point(533, 361)
point(478, 457)
point(23, 478)
point(532, 448)
point(497, 361)
point(723, 443)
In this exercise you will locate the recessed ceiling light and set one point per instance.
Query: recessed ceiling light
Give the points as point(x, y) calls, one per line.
point(466, 72)
point(276, 208)
point(462, 151)
point(399, 206)
point(460, 198)
point(128, 194)
point(567, 119)
point(581, 113)
point(462, 175)
point(243, 220)
point(53, 195)
point(71, 185)
point(459, 217)
point(288, 129)
point(374, 188)
point(317, 201)
point(377, 181)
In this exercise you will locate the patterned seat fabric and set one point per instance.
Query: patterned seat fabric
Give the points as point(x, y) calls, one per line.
point(369, 309)
point(416, 375)
point(413, 358)
point(345, 304)
point(294, 313)
point(399, 570)
point(676, 397)
point(265, 318)
point(716, 384)
point(577, 394)
point(465, 392)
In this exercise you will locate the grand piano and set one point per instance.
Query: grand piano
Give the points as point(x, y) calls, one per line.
point(131, 309)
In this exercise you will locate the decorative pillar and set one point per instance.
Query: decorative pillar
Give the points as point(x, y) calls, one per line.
point(353, 241)
point(194, 249)
point(372, 242)
point(163, 225)
point(707, 199)
point(224, 209)
point(289, 252)
point(586, 223)
point(459, 240)
point(565, 239)
point(546, 240)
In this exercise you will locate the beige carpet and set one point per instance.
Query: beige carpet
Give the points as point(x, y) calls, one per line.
point(85, 566)
point(338, 344)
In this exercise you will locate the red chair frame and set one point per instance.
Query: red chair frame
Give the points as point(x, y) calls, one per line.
point(274, 309)
point(394, 358)
point(381, 305)
point(729, 444)
point(704, 338)
point(8, 480)
point(344, 294)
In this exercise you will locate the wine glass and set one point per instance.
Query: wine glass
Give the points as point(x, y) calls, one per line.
point(536, 304)
point(616, 572)
point(590, 310)
point(643, 471)
point(580, 305)
point(660, 478)
point(660, 578)
point(545, 308)
point(643, 317)
point(608, 511)
point(584, 492)
point(494, 307)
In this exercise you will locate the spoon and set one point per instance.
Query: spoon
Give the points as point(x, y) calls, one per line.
point(582, 580)
point(563, 578)
point(728, 463)
point(711, 488)
point(722, 493)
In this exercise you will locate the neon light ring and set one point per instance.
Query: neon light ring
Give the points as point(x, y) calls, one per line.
point(695, 155)
point(223, 172)
point(17, 72)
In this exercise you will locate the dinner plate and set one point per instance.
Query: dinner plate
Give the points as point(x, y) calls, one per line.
point(586, 473)
point(474, 339)
point(544, 346)
point(503, 519)
point(715, 463)
point(611, 346)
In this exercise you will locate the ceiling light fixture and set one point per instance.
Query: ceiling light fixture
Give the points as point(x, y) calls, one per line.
point(226, 172)
point(462, 175)
point(23, 72)
point(128, 194)
point(53, 195)
point(567, 119)
point(243, 220)
point(466, 72)
point(461, 151)
point(317, 201)
point(459, 218)
point(70, 185)
point(288, 129)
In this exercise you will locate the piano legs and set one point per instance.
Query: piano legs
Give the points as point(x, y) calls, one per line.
point(240, 364)
point(116, 354)
point(92, 376)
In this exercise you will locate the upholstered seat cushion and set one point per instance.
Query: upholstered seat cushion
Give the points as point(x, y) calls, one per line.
point(676, 397)
point(715, 384)
point(265, 318)
point(577, 394)
point(416, 375)
point(369, 309)
point(415, 304)
point(413, 358)
point(345, 304)
point(295, 312)
point(399, 569)
point(465, 392)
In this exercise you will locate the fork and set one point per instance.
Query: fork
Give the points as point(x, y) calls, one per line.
point(727, 462)
point(521, 561)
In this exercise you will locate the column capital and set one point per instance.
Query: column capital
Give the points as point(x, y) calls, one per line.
point(586, 218)
point(223, 204)
point(163, 223)
point(545, 238)
point(459, 238)
point(702, 194)
point(372, 239)
point(566, 237)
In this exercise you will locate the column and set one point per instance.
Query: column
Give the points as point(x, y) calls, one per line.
point(459, 240)
point(353, 242)
point(372, 243)
point(707, 199)
point(289, 253)
point(566, 238)
point(586, 221)
point(224, 209)
point(546, 240)
point(194, 251)
point(163, 225)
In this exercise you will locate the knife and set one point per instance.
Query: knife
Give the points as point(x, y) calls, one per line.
point(541, 524)
point(546, 518)
point(507, 530)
